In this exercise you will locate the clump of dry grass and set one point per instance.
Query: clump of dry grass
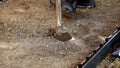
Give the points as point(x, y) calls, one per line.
point(115, 64)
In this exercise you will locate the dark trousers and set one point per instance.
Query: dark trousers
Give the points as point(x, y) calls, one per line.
point(85, 2)
point(81, 2)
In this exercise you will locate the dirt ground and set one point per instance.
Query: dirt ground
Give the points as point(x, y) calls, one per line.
point(24, 40)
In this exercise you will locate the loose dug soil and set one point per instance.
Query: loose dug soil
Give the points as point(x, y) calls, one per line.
point(24, 39)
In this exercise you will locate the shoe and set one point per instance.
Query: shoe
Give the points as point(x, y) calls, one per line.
point(68, 7)
point(53, 2)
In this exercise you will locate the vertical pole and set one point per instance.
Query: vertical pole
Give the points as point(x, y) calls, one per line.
point(59, 15)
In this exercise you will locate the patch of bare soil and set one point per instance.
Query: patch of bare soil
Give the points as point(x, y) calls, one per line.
point(24, 26)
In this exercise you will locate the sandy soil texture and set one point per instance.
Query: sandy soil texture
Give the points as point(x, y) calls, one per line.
point(24, 40)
